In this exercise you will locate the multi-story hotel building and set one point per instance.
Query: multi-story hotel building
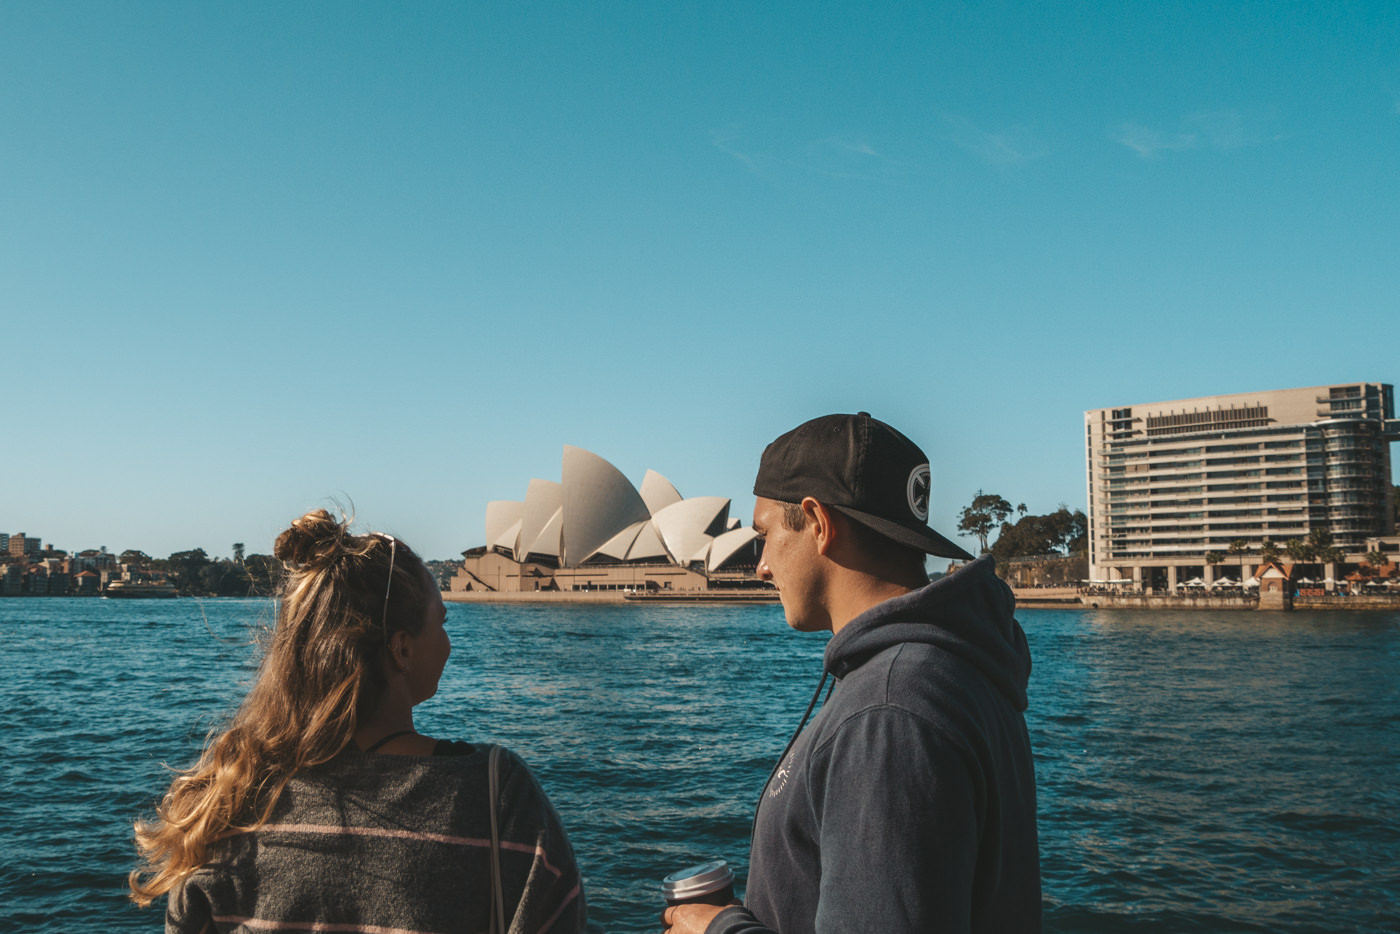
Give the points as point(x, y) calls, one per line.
point(1171, 481)
point(20, 544)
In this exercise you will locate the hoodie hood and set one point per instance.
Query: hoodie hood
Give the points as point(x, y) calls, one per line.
point(969, 614)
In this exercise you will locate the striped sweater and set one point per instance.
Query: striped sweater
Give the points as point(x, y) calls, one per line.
point(390, 845)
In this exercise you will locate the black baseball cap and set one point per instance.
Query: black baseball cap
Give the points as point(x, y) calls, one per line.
point(862, 468)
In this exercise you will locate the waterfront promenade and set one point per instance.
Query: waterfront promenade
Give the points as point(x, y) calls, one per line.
point(1042, 598)
point(1027, 598)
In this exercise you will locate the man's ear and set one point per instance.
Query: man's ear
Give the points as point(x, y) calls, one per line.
point(821, 522)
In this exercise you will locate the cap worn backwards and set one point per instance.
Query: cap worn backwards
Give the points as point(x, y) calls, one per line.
point(863, 468)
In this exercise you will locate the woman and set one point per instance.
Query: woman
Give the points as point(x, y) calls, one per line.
point(320, 807)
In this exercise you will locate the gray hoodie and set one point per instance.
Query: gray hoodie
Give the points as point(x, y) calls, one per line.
point(909, 803)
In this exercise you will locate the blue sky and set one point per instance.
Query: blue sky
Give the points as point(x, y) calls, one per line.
point(257, 255)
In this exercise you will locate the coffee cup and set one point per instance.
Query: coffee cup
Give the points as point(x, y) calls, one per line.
point(709, 883)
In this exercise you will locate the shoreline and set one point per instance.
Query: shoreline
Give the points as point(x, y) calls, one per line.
point(1049, 598)
point(1044, 598)
point(616, 597)
point(533, 596)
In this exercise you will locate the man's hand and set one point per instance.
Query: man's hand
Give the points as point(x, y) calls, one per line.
point(690, 919)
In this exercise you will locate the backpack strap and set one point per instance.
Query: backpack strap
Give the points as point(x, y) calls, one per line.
point(498, 902)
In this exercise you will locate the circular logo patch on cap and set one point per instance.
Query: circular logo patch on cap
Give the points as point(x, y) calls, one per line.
point(917, 489)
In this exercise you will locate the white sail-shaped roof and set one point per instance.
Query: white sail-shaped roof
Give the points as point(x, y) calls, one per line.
point(733, 523)
point(618, 546)
point(685, 526)
point(551, 537)
point(597, 511)
point(599, 502)
point(542, 501)
point(501, 515)
point(509, 539)
point(725, 546)
point(647, 545)
point(702, 552)
point(657, 492)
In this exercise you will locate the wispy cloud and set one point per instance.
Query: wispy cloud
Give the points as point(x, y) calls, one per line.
point(1009, 146)
point(844, 158)
point(832, 156)
point(1220, 130)
point(727, 141)
point(1147, 142)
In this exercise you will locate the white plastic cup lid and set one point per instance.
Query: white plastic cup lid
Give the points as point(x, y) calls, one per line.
point(696, 881)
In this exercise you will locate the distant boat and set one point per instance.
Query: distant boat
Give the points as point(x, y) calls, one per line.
point(129, 591)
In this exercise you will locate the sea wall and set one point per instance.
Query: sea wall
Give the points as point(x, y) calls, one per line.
point(1047, 598)
point(1234, 602)
point(534, 596)
point(1167, 602)
point(1359, 602)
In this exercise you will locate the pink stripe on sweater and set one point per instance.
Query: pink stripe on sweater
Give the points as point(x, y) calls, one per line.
point(568, 900)
point(336, 830)
point(262, 924)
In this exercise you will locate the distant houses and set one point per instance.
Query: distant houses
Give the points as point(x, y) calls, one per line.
point(27, 569)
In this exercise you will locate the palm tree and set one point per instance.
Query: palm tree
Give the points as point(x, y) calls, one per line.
point(1238, 548)
point(1300, 551)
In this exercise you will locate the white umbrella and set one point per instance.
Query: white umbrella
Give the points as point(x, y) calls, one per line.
point(1306, 580)
point(1252, 582)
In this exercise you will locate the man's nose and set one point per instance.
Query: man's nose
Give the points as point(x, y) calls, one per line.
point(762, 573)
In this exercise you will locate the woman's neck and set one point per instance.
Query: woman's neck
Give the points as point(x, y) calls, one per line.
point(393, 715)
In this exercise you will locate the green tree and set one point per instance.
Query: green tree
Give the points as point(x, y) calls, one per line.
point(1299, 550)
point(1076, 532)
point(1319, 539)
point(1377, 560)
point(1268, 551)
point(1238, 548)
point(224, 578)
point(1030, 535)
point(184, 567)
point(1060, 532)
point(1331, 555)
point(1214, 557)
point(237, 552)
point(264, 573)
point(987, 511)
point(135, 558)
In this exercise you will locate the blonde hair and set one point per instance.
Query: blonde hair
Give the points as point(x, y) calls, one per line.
point(319, 675)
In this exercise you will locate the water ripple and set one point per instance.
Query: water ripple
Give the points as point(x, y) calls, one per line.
point(1195, 773)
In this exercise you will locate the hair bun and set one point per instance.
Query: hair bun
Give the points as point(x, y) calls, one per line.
point(312, 539)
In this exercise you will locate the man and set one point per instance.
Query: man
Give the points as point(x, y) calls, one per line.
point(909, 803)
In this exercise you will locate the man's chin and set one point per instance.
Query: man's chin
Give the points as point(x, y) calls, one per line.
point(798, 624)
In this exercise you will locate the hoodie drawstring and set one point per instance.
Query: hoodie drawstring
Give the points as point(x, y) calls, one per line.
point(788, 748)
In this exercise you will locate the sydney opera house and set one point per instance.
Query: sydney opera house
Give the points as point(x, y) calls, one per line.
point(595, 531)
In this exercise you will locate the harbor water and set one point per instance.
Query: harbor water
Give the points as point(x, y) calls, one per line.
point(1197, 771)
